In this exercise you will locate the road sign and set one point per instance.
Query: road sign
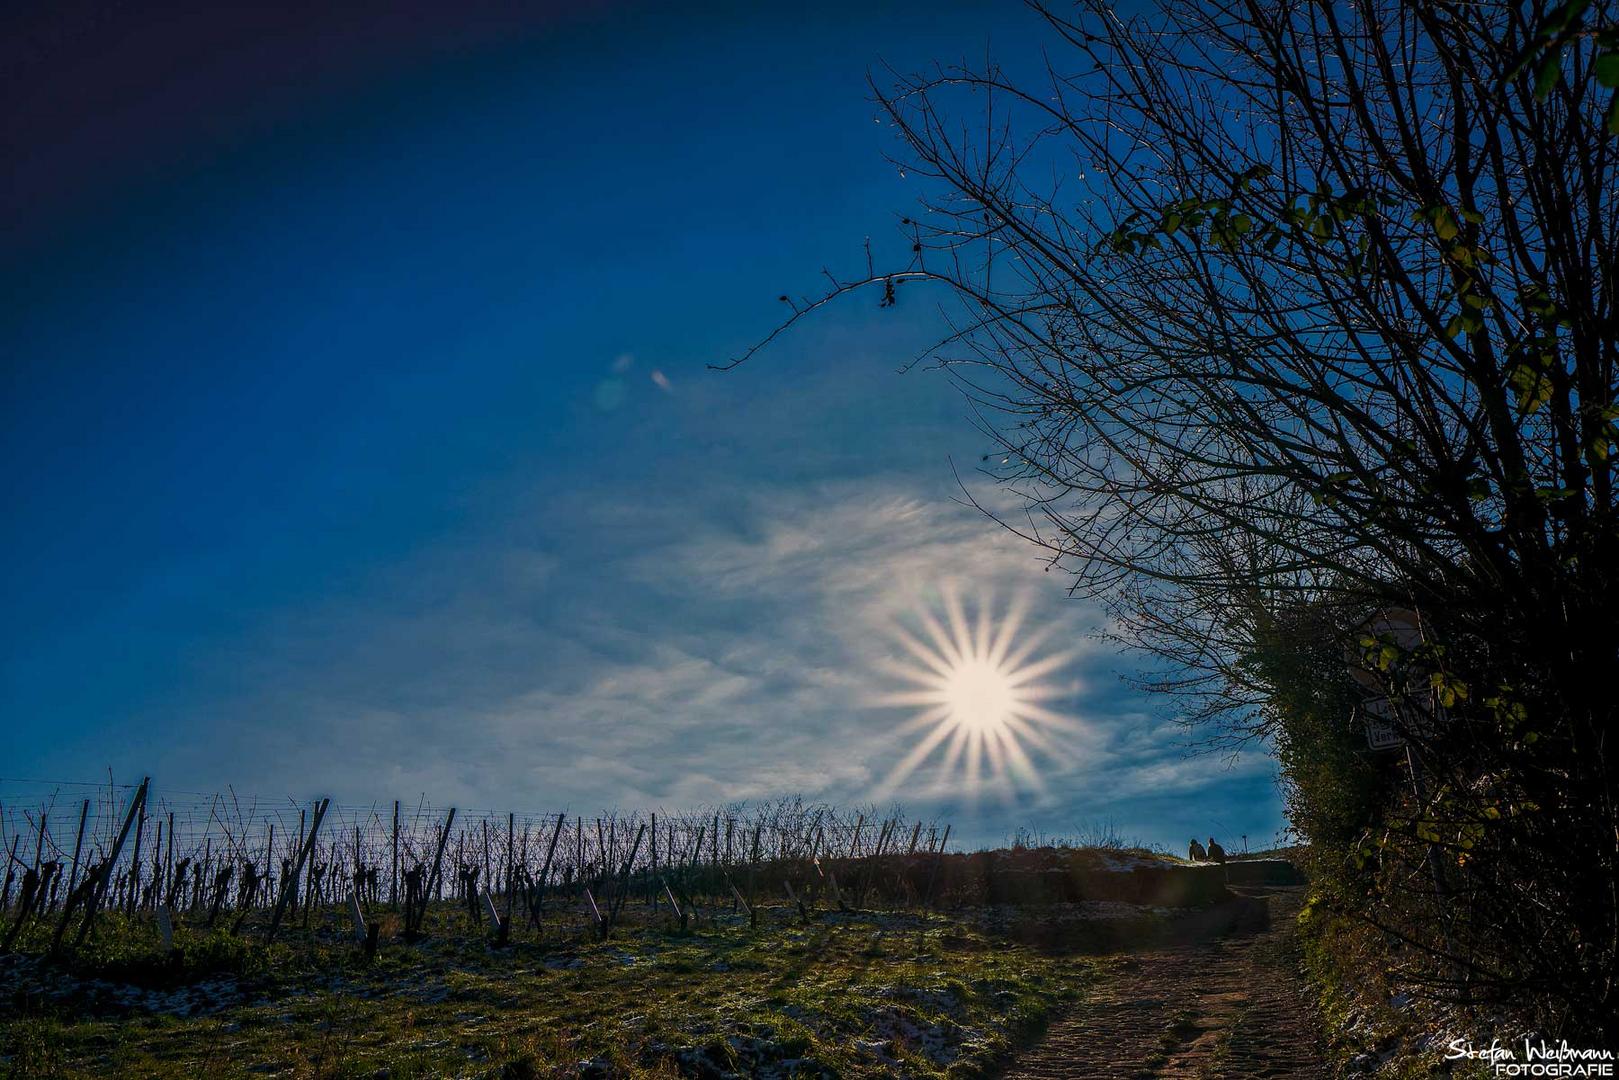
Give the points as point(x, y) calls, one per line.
point(1379, 716)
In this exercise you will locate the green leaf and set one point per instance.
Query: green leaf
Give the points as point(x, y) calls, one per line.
point(1606, 69)
point(1534, 388)
point(1547, 77)
point(1445, 225)
point(1538, 301)
point(1562, 17)
point(1613, 116)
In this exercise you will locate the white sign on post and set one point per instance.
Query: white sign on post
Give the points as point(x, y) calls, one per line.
point(1384, 719)
point(361, 933)
point(1378, 714)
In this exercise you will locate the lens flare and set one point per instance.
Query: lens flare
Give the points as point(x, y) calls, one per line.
point(978, 687)
point(980, 696)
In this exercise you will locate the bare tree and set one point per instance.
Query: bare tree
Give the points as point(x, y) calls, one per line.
point(1281, 315)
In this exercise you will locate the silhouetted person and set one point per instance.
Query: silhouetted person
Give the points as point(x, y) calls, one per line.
point(1195, 852)
point(1216, 852)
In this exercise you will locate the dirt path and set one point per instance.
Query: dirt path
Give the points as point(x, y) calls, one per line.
point(1228, 1007)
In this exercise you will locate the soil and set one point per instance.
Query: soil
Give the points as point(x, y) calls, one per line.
point(1230, 1004)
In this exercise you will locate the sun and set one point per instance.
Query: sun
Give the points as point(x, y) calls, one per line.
point(979, 696)
point(979, 687)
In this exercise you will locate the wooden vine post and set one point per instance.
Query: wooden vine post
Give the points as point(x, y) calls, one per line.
point(438, 856)
point(290, 883)
point(393, 873)
point(78, 846)
point(97, 880)
point(938, 856)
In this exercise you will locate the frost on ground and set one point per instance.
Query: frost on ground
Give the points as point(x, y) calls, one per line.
point(848, 993)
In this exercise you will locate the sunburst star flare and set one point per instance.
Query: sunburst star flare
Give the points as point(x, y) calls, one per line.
point(978, 684)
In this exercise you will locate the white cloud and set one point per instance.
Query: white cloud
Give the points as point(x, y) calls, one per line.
point(735, 657)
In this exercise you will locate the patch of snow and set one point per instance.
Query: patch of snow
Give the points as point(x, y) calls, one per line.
point(1123, 862)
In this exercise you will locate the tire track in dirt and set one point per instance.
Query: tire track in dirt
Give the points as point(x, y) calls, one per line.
point(1227, 1007)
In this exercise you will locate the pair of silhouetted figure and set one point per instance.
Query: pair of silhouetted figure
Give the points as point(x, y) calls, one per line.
point(1214, 852)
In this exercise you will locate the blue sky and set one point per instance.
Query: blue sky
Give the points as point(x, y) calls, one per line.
point(358, 438)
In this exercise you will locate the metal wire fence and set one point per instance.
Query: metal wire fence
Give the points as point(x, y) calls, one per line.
point(109, 846)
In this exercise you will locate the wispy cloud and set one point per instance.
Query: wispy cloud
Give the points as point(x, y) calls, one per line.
point(735, 658)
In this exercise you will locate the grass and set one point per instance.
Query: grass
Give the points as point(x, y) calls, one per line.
point(848, 995)
point(1347, 965)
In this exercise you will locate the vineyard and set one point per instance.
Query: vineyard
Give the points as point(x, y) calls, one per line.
point(189, 934)
point(183, 934)
point(254, 867)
